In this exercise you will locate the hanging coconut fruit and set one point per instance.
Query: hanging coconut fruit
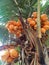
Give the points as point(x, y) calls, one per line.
point(5, 55)
point(13, 53)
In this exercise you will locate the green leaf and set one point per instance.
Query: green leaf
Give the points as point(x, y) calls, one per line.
point(18, 48)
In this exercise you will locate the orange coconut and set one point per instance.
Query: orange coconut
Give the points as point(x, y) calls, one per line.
point(34, 14)
point(43, 30)
point(9, 60)
point(5, 55)
point(14, 53)
point(44, 17)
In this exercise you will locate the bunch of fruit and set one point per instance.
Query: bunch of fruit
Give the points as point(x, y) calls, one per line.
point(16, 27)
point(9, 55)
point(44, 22)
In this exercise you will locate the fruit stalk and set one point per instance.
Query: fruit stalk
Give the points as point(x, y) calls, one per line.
point(38, 20)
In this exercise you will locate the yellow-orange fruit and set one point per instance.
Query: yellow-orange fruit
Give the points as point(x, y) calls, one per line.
point(12, 22)
point(43, 30)
point(44, 17)
point(18, 33)
point(11, 31)
point(5, 55)
point(46, 23)
point(11, 27)
point(9, 60)
point(46, 27)
point(16, 28)
point(34, 19)
point(32, 23)
point(20, 27)
point(34, 14)
point(29, 19)
point(18, 23)
point(14, 53)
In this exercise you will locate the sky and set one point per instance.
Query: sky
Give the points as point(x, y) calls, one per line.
point(43, 2)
